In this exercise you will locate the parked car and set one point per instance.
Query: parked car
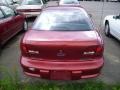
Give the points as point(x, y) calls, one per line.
point(112, 26)
point(31, 8)
point(12, 3)
point(10, 23)
point(62, 45)
point(113, 0)
point(69, 2)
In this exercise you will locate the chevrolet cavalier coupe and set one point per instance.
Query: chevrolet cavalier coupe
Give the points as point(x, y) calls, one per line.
point(62, 45)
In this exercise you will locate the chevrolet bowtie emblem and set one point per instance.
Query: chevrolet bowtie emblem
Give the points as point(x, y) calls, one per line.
point(61, 53)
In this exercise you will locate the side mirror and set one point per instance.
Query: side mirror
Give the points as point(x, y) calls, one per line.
point(90, 15)
point(57, 2)
point(114, 17)
point(15, 2)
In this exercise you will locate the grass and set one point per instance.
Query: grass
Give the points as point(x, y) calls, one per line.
point(13, 82)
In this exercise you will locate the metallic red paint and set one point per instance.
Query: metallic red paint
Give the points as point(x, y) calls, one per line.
point(9, 26)
point(62, 55)
point(78, 69)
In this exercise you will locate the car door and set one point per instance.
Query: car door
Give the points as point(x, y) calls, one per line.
point(118, 28)
point(114, 26)
point(3, 36)
point(9, 21)
point(19, 22)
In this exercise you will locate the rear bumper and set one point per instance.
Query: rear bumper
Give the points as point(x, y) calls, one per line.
point(30, 14)
point(62, 70)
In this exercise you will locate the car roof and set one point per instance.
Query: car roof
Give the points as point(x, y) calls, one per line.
point(64, 8)
point(2, 4)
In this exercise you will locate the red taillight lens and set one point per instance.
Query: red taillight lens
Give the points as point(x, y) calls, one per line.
point(24, 49)
point(93, 52)
point(99, 50)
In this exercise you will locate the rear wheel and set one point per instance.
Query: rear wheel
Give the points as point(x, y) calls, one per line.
point(107, 30)
point(0, 48)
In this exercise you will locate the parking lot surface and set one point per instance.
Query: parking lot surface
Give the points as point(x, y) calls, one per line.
point(10, 54)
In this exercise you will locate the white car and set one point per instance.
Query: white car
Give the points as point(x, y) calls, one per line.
point(112, 26)
point(69, 2)
point(31, 8)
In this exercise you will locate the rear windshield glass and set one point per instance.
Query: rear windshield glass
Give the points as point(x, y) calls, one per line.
point(9, 2)
point(31, 2)
point(63, 20)
point(69, 2)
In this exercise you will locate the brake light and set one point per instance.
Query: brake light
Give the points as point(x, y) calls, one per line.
point(93, 52)
point(99, 49)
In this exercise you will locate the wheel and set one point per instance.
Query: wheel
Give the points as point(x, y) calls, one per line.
point(0, 48)
point(107, 30)
point(25, 26)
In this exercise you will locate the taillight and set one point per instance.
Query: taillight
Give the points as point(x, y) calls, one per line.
point(24, 49)
point(93, 52)
point(99, 50)
point(28, 50)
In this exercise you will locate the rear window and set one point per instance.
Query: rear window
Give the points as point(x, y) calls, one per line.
point(31, 2)
point(10, 2)
point(1, 14)
point(63, 20)
point(69, 2)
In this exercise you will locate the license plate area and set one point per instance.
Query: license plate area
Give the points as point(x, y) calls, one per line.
point(60, 75)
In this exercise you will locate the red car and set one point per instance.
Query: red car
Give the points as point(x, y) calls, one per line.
point(62, 45)
point(10, 23)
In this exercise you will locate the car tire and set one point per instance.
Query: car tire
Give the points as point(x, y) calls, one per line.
point(0, 48)
point(25, 26)
point(107, 30)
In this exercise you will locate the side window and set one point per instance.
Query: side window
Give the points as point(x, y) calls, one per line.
point(3, 1)
point(44, 1)
point(1, 14)
point(8, 11)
